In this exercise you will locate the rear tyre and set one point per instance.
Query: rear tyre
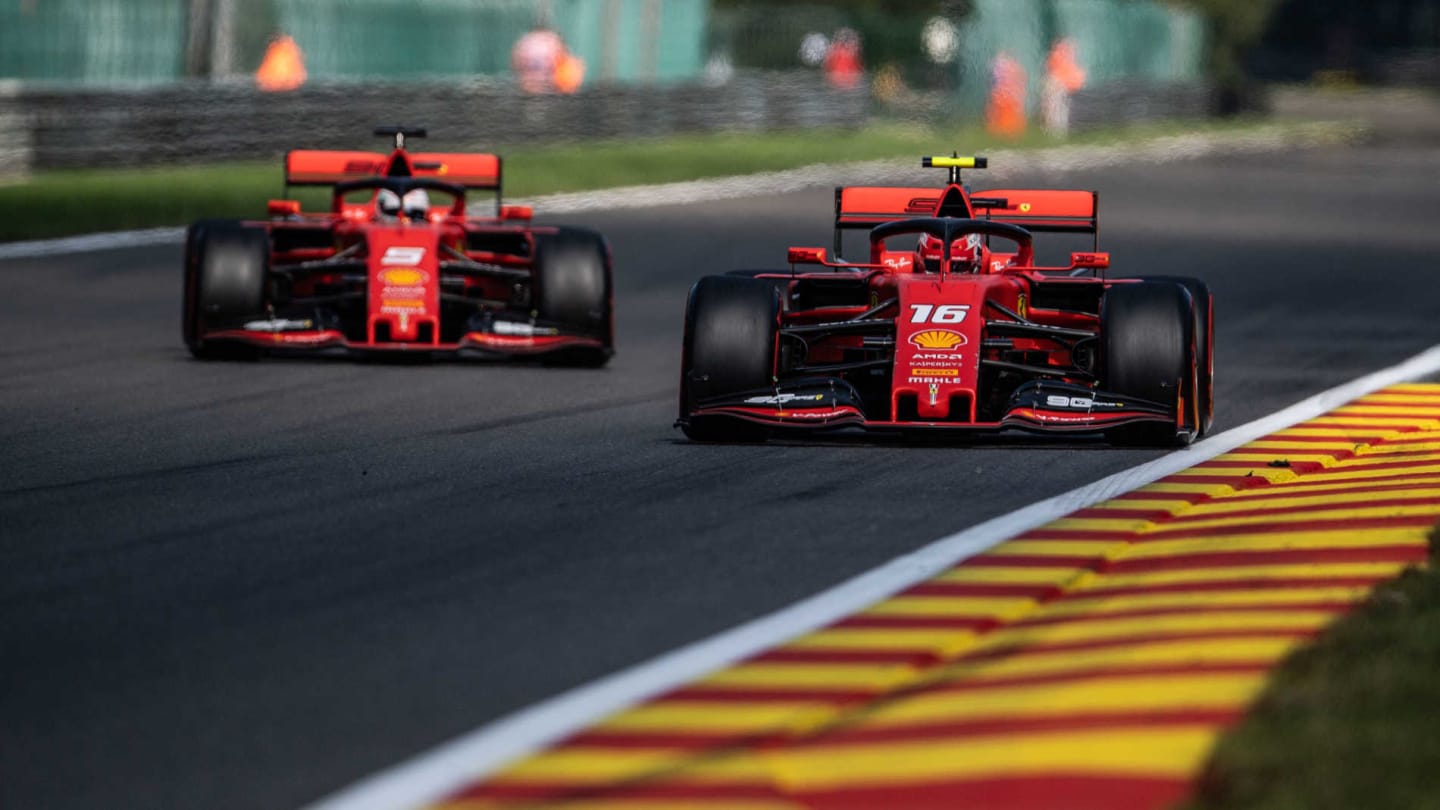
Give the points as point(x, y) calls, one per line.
point(572, 288)
point(226, 266)
point(1147, 351)
point(732, 325)
point(1204, 342)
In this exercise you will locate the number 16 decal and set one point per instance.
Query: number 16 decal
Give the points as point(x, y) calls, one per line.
point(945, 313)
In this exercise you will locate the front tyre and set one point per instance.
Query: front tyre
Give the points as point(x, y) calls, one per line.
point(732, 328)
point(226, 268)
point(1147, 351)
point(573, 288)
point(1204, 342)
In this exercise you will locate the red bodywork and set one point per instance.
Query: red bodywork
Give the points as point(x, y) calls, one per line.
point(349, 278)
point(902, 341)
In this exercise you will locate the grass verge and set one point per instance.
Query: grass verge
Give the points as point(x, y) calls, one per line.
point(1348, 721)
point(60, 203)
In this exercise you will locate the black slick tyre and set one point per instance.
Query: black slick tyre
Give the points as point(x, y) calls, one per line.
point(1204, 342)
point(572, 287)
point(732, 325)
point(1147, 351)
point(226, 268)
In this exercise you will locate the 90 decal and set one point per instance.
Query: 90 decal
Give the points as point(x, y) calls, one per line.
point(945, 313)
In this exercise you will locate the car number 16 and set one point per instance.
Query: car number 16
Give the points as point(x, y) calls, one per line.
point(945, 313)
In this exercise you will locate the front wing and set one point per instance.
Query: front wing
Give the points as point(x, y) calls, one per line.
point(484, 343)
point(1042, 407)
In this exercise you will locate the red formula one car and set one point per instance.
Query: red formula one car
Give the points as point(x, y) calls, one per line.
point(397, 265)
point(949, 325)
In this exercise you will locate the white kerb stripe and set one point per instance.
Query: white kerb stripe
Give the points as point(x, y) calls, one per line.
point(433, 775)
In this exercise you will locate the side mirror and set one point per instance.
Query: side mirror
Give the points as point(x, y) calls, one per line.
point(283, 208)
point(517, 212)
point(1090, 261)
point(806, 255)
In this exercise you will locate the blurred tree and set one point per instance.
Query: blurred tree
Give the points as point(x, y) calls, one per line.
point(1235, 26)
point(1310, 35)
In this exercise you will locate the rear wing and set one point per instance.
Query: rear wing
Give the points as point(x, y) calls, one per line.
point(867, 206)
point(1041, 210)
point(1036, 210)
point(315, 167)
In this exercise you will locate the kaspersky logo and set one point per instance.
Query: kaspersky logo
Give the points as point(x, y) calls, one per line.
point(937, 339)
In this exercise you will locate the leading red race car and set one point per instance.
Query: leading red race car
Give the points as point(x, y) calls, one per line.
point(391, 268)
point(938, 331)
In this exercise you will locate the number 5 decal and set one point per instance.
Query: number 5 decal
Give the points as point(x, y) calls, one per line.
point(945, 313)
point(403, 255)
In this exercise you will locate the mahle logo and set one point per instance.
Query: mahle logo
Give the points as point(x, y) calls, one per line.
point(942, 339)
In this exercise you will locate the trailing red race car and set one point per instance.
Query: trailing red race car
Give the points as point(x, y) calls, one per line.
point(937, 331)
point(387, 270)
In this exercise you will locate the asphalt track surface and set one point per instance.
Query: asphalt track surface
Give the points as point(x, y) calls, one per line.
point(246, 585)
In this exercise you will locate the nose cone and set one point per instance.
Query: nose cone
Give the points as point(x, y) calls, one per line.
point(404, 285)
point(937, 339)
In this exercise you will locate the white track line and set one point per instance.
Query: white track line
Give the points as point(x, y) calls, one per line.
point(1055, 160)
point(1004, 163)
point(41, 248)
point(433, 775)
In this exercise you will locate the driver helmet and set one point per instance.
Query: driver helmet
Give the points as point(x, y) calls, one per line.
point(416, 205)
point(967, 254)
point(387, 205)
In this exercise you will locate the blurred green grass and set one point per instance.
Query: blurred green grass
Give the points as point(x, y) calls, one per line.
point(1349, 721)
point(60, 203)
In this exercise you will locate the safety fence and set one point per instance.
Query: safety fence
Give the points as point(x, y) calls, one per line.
point(197, 122)
point(48, 129)
point(136, 82)
point(1120, 103)
point(148, 42)
point(109, 43)
point(945, 64)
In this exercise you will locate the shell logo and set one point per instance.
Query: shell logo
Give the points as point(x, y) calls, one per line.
point(402, 278)
point(942, 339)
